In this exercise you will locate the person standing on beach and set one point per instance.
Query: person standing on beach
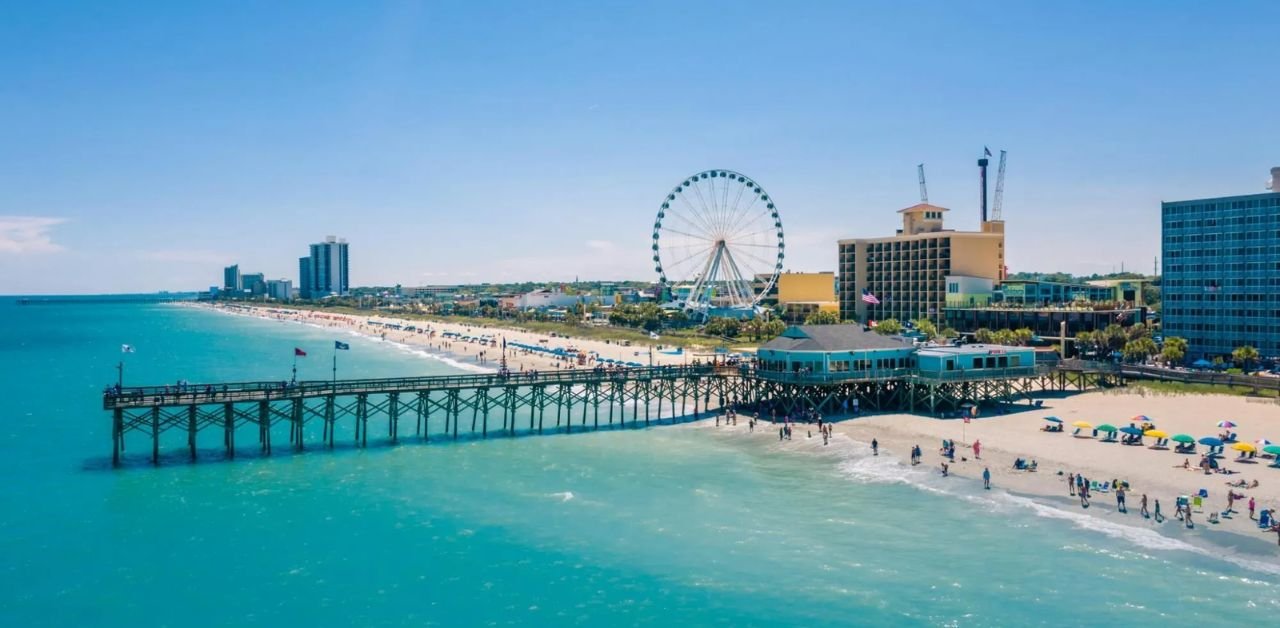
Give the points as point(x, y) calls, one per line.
point(986, 475)
point(1156, 515)
point(875, 447)
point(977, 449)
point(1252, 505)
point(1071, 484)
point(1143, 510)
point(944, 469)
point(1120, 500)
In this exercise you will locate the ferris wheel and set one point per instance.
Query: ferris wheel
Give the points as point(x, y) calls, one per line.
point(717, 242)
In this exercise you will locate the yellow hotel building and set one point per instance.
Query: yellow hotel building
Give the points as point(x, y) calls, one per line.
point(908, 272)
point(801, 294)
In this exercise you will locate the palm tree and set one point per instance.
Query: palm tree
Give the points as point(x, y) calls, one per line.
point(1244, 355)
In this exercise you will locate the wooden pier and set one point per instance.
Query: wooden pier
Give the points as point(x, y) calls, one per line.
point(471, 405)
point(559, 401)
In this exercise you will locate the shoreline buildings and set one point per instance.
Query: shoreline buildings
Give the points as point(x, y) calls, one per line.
point(1221, 260)
point(904, 276)
point(324, 272)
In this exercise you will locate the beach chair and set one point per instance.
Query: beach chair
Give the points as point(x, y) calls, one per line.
point(1197, 503)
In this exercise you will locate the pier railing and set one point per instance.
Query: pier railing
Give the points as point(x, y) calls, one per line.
point(188, 393)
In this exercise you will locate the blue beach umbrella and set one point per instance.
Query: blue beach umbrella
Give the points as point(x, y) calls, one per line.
point(1131, 431)
point(1053, 419)
point(1210, 441)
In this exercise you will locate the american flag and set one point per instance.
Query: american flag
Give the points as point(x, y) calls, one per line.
point(867, 297)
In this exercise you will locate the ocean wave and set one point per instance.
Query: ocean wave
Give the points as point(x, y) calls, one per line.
point(857, 463)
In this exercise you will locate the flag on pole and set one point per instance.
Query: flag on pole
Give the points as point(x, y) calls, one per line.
point(299, 352)
point(337, 344)
point(867, 297)
point(986, 151)
point(966, 419)
point(126, 348)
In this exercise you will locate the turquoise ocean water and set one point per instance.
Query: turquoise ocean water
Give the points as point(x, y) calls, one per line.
point(684, 525)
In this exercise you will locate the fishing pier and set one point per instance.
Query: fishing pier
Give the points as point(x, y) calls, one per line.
point(564, 401)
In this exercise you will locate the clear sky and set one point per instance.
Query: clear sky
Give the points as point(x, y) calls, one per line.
point(145, 145)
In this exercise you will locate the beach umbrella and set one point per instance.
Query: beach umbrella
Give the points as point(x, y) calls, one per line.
point(1272, 449)
point(1226, 424)
point(1106, 427)
point(1156, 433)
point(1245, 447)
point(1132, 431)
point(1053, 419)
point(1084, 425)
point(1182, 438)
point(1210, 441)
point(1141, 418)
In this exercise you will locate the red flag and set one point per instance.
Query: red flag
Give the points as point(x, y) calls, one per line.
point(299, 352)
point(966, 418)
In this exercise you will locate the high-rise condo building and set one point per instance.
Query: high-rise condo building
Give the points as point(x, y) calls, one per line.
point(904, 276)
point(231, 278)
point(329, 268)
point(304, 277)
point(1221, 282)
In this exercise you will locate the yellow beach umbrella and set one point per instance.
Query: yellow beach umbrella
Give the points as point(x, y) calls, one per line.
point(1156, 433)
point(1245, 447)
point(1085, 425)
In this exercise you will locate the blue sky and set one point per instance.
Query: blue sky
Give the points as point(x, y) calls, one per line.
point(144, 145)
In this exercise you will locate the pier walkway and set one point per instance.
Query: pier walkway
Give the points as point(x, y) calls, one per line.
point(575, 399)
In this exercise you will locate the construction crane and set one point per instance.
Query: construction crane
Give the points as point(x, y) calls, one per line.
point(998, 201)
point(924, 191)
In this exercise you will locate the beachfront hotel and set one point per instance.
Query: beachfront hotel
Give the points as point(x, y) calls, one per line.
point(802, 294)
point(904, 276)
point(1221, 284)
point(324, 272)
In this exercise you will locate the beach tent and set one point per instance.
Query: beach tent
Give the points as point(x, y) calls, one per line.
point(1157, 434)
point(1245, 447)
point(1053, 419)
point(1210, 441)
point(1132, 431)
point(1182, 438)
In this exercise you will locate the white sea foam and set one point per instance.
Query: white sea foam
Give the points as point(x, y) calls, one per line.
point(856, 462)
point(563, 496)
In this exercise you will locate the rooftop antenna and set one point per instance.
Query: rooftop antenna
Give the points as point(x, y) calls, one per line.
point(997, 204)
point(924, 191)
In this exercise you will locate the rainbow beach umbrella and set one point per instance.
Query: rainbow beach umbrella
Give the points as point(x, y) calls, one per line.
point(1226, 424)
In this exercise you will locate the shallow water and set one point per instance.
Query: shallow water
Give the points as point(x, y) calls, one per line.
point(688, 524)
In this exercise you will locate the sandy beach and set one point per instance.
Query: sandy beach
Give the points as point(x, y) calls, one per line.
point(446, 338)
point(1157, 473)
